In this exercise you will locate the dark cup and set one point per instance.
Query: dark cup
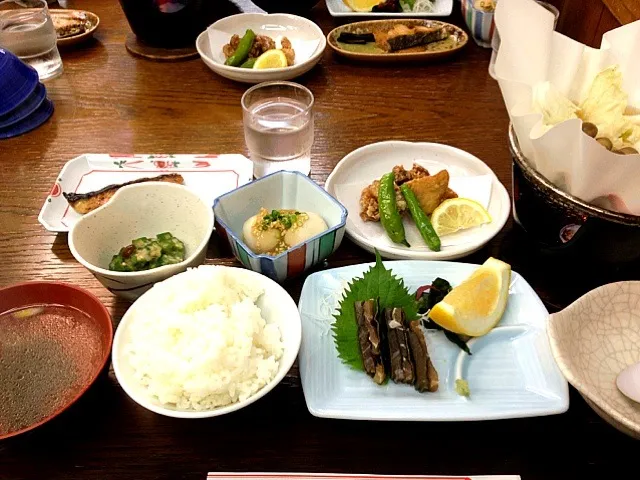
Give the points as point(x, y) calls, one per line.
point(173, 23)
point(565, 227)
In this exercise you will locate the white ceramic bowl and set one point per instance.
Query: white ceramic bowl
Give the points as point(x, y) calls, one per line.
point(274, 25)
point(470, 178)
point(276, 305)
point(593, 340)
point(146, 209)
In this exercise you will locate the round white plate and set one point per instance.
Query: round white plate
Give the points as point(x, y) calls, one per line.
point(470, 177)
point(307, 40)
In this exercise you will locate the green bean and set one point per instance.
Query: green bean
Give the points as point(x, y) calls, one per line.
point(248, 63)
point(242, 52)
point(389, 216)
point(420, 218)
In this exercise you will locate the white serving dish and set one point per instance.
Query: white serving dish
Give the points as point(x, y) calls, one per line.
point(276, 305)
point(337, 8)
point(470, 177)
point(207, 175)
point(593, 340)
point(307, 39)
point(145, 209)
point(511, 373)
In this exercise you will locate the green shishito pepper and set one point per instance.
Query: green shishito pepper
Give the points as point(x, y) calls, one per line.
point(242, 52)
point(421, 220)
point(389, 216)
point(147, 253)
point(248, 63)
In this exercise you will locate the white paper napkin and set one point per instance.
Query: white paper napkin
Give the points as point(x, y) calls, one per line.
point(303, 49)
point(531, 52)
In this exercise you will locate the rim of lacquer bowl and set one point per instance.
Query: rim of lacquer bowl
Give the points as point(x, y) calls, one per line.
point(103, 363)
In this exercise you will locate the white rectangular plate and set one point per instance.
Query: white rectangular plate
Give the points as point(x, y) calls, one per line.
point(336, 476)
point(207, 175)
point(442, 8)
point(511, 373)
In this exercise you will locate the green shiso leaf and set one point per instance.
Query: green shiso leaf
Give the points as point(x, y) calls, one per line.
point(377, 283)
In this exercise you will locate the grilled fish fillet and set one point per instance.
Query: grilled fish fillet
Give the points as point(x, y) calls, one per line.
point(401, 37)
point(86, 202)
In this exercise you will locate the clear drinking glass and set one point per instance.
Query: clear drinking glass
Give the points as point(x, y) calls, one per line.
point(26, 30)
point(495, 39)
point(278, 127)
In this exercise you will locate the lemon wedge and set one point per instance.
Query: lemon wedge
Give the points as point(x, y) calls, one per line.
point(475, 306)
point(271, 59)
point(361, 5)
point(458, 214)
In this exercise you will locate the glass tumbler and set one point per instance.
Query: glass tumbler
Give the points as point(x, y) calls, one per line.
point(26, 30)
point(278, 127)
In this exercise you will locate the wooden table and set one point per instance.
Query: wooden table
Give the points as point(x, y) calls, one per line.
point(109, 101)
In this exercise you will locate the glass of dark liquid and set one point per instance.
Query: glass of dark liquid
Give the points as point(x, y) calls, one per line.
point(173, 23)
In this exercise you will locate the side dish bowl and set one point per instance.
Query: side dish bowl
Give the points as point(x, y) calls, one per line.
point(280, 190)
point(74, 347)
point(276, 306)
point(145, 209)
point(306, 37)
point(593, 340)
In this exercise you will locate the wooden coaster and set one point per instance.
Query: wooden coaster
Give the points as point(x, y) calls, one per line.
point(136, 48)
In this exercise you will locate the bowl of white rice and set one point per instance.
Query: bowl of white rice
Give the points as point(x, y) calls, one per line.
point(206, 342)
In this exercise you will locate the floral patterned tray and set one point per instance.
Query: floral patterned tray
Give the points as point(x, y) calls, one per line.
point(208, 175)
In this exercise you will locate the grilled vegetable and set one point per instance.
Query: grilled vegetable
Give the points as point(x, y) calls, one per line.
point(389, 216)
point(248, 63)
point(242, 52)
point(420, 218)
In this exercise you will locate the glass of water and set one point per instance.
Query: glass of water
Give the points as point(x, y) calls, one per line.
point(26, 30)
point(278, 127)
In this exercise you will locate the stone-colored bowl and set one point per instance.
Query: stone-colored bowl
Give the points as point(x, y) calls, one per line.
point(145, 209)
point(593, 340)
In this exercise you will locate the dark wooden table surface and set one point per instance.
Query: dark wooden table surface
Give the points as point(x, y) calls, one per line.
point(109, 101)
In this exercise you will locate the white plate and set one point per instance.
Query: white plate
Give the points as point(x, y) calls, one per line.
point(307, 40)
point(207, 175)
point(511, 373)
point(338, 8)
point(469, 176)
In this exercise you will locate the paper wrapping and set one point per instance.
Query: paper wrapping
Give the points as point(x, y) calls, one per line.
point(532, 52)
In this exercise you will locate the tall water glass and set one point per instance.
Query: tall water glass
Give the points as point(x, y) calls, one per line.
point(278, 127)
point(26, 30)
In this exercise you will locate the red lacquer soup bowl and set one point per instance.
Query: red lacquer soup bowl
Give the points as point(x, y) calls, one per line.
point(55, 340)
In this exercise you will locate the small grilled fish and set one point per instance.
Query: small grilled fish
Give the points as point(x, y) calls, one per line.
point(86, 202)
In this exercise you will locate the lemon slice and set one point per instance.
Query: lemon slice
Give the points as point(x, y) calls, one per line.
point(458, 214)
point(271, 59)
point(476, 305)
point(361, 5)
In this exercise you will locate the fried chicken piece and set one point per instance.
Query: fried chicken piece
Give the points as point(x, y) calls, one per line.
point(431, 190)
point(369, 202)
point(288, 51)
point(230, 48)
point(401, 175)
point(261, 44)
point(369, 196)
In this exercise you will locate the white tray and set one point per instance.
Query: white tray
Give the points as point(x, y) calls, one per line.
point(337, 8)
point(208, 175)
point(511, 373)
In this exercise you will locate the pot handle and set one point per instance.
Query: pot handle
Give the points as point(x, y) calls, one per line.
point(247, 6)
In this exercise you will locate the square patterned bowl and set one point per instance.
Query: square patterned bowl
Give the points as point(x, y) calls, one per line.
point(290, 190)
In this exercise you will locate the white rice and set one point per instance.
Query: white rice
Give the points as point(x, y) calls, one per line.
point(199, 340)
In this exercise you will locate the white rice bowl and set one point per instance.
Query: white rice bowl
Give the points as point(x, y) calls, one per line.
point(199, 341)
